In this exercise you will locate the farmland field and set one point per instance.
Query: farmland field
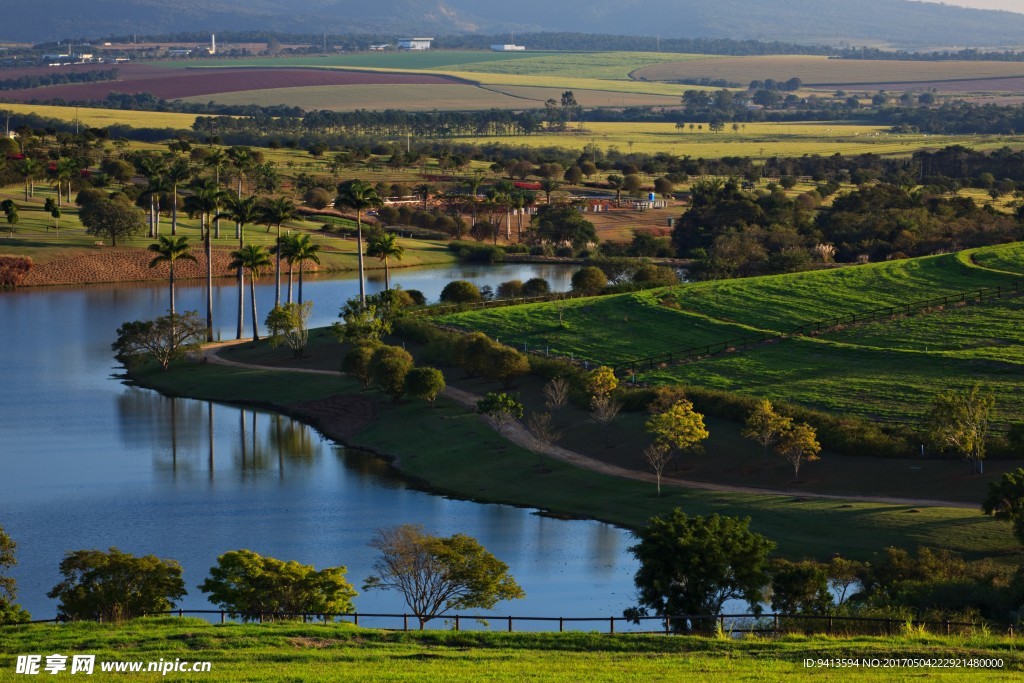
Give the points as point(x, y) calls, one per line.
point(105, 117)
point(173, 84)
point(814, 70)
point(886, 370)
point(605, 65)
point(446, 96)
point(754, 139)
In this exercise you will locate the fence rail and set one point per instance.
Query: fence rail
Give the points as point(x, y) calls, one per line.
point(771, 623)
point(883, 313)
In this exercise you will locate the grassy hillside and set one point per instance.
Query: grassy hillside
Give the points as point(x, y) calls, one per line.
point(887, 370)
point(293, 652)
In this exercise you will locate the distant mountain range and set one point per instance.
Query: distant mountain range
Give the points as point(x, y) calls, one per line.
point(899, 23)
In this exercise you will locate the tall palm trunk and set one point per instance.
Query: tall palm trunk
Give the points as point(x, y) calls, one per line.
point(359, 250)
point(387, 275)
point(301, 264)
point(174, 209)
point(291, 269)
point(255, 319)
point(209, 278)
point(277, 270)
point(172, 288)
point(241, 294)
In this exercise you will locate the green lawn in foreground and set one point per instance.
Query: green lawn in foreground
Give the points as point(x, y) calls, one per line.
point(297, 652)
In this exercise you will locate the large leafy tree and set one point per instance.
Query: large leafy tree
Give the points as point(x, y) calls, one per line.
point(798, 443)
point(765, 426)
point(679, 426)
point(360, 196)
point(959, 421)
point(562, 224)
point(112, 219)
point(169, 250)
point(437, 574)
point(1005, 500)
point(164, 339)
point(10, 612)
point(693, 565)
point(254, 258)
point(251, 586)
point(113, 585)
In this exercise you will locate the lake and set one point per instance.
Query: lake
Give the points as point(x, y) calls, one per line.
point(89, 462)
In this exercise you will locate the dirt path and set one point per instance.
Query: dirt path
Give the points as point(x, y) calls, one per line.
point(519, 435)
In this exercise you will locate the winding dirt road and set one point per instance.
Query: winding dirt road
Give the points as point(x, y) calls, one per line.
point(518, 434)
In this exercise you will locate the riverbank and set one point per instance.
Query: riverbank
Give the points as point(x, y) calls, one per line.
point(450, 450)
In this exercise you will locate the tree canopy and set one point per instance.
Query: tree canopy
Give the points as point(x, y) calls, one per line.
point(437, 574)
point(693, 565)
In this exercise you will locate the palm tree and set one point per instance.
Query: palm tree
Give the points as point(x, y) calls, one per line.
point(549, 185)
point(176, 173)
point(303, 249)
point(170, 249)
point(384, 245)
point(616, 182)
point(424, 190)
point(473, 185)
point(285, 247)
point(65, 171)
point(217, 160)
point(275, 212)
point(359, 195)
point(157, 186)
point(254, 258)
point(28, 169)
point(203, 201)
point(241, 211)
point(242, 159)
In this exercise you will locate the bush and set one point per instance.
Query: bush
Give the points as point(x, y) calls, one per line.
point(471, 352)
point(417, 297)
point(589, 280)
point(565, 252)
point(388, 366)
point(318, 198)
point(425, 383)
point(536, 286)
point(250, 586)
point(356, 362)
point(541, 250)
point(503, 364)
point(510, 289)
point(113, 585)
point(460, 292)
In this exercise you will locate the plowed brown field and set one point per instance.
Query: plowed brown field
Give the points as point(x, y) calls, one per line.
point(124, 265)
point(172, 84)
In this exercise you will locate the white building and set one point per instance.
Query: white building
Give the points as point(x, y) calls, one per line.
point(415, 43)
point(380, 47)
point(508, 48)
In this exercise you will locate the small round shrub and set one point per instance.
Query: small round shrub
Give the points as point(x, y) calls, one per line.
point(460, 292)
point(589, 280)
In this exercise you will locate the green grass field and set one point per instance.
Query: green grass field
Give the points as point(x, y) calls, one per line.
point(105, 117)
point(887, 370)
point(297, 652)
point(828, 72)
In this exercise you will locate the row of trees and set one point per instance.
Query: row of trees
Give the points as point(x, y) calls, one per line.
point(434, 574)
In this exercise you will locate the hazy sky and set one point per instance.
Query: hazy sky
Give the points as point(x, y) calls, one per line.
point(1010, 5)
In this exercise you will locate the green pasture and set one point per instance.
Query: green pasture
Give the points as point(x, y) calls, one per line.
point(888, 370)
point(605, 65)
point(339, 652)
point(431, 59)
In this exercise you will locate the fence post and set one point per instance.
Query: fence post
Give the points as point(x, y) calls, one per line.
point(776, 624)
point(181, 613)
point(561, 624)
point(222, 616)
point(405, 622)
point(510, 624)
point(668, 625)
point(830, 624)
point(721, 622)
point(611, 625)
point(456, 622)
point(947, 627)
point(355, 619)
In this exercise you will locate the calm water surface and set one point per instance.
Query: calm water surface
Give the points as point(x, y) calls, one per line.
point(88, 462)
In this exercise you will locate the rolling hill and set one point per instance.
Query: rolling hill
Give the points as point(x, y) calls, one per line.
point(891, 22)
